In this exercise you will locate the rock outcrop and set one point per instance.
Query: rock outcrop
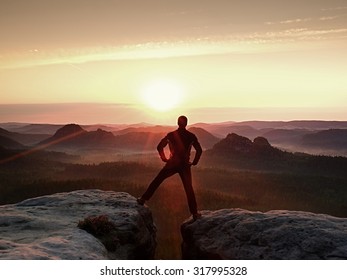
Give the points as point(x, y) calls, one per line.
point(242, 234)
point(236, 145)
point(47, 227)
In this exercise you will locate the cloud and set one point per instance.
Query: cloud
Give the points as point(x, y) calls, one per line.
point(289, 21)
point(213, 45)
point(303, 20)
point(297, 20)
point(328, 18)
point(334, 9)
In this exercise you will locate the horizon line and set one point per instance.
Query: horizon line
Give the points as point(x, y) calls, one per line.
point(130, 113)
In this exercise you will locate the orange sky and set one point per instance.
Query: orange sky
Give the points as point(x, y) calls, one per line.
point(236, 60)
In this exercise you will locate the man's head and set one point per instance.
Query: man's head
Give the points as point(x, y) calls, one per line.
point(182, 121)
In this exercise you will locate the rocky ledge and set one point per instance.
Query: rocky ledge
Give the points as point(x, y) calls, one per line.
point(50, 227)
point(274, 235)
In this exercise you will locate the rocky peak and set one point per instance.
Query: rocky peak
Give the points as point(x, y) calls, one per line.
point(102, 133)
point(234, 143)
point(261, 142)
point(69, 130)
point(47, 227)
point(274, 235)
point(74, 136)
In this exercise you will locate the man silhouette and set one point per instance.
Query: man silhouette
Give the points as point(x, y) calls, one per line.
point(180, 142)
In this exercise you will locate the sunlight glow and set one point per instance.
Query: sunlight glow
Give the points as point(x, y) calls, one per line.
point(162, 94)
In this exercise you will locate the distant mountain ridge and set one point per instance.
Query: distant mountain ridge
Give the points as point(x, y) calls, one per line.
point(303, 124)
point(21, 138)
point(152, 129)
point(74, 136)
point(222, 127)
point(8, 143)
point(34, 128)
point(315, 137)
point(332, 138)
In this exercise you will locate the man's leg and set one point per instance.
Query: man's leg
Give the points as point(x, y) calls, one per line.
point(186, 177)
point(162, 175)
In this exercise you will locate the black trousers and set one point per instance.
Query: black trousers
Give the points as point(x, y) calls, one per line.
point(186, 176)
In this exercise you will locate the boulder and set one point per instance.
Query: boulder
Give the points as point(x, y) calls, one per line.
point(274, 235)
point(47, 227)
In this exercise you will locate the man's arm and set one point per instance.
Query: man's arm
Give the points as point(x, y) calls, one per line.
point(198, 153)
point(160, 148)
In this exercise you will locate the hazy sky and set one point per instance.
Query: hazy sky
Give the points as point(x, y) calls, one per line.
point(269, 57)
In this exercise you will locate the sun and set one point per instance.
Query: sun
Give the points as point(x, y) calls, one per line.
point(162, 94)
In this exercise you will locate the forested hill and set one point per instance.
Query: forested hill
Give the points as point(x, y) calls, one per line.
point(240, 152)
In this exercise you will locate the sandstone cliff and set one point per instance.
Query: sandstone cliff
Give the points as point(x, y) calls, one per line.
point(242, 234)
point(47, 227)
